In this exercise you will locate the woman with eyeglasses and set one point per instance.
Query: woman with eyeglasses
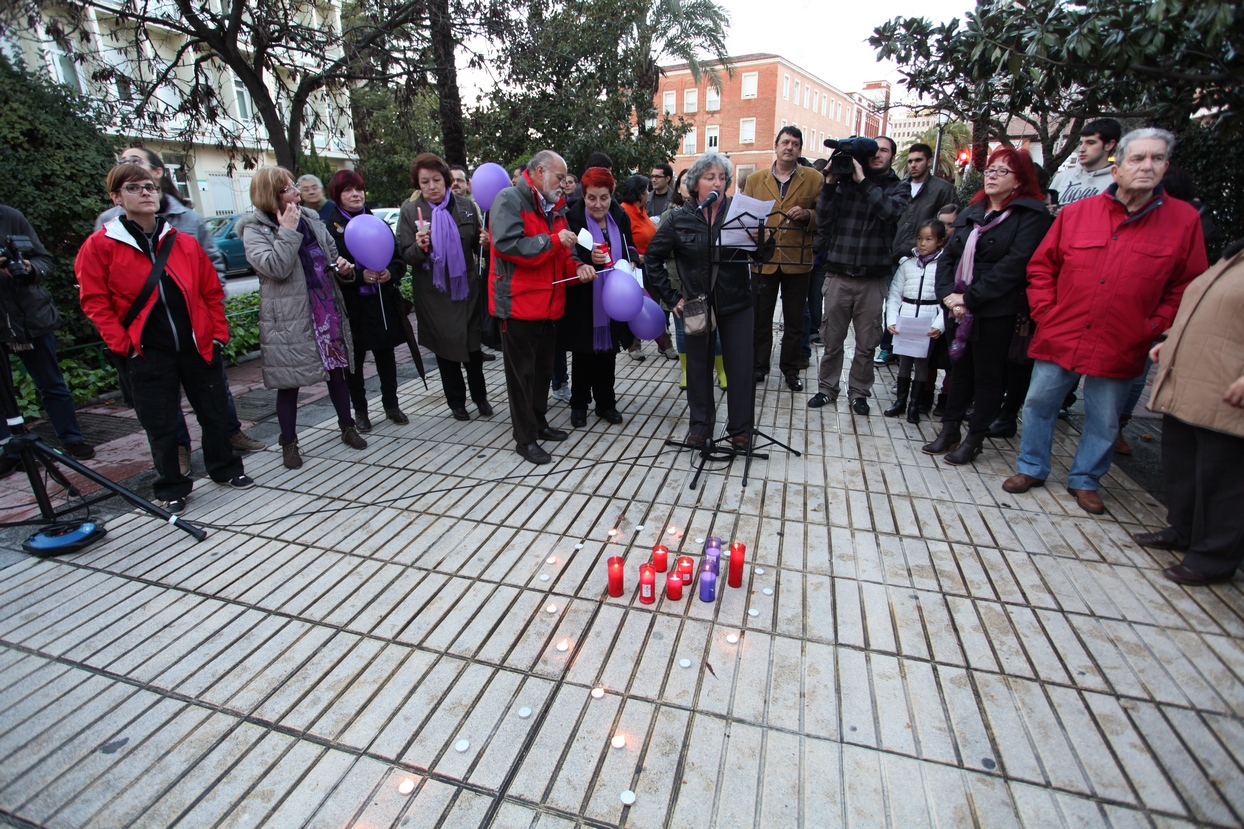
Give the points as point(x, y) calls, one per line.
point(304, 330)
point(170, 341)
point(982, 280)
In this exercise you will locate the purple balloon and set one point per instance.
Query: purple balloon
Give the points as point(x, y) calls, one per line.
point(622, 296)
point(487, 181)
point(650, 322)
point(370, 242)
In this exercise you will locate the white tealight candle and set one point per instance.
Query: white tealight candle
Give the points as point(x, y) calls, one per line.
point(544, 577)
point(524, 712)
point(672, 530)
point(406, 786)
point(462, 745)
point(732, 638)
point(551, 608)
point(618, 741)
point(551, 560)
point(639, 526)
point(760, 571)
point(753, 612)
point(612, 533)
point(597, 693)
point(628, 797)
point(563, 646)
point(768, 591)
point(686, 663)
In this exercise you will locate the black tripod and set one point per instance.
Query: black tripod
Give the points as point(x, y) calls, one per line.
point(716, 257)
point(34, 452)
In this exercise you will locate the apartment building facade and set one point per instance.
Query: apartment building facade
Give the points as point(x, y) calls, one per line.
point(766, 92)
point(216, 183)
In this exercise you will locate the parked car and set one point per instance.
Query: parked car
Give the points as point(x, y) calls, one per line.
point(388, 215)
point(230, 244)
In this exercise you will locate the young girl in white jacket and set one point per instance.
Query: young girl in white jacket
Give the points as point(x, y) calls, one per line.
point(913, 293)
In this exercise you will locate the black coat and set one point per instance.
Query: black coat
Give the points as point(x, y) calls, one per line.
point(1000, 284)
point(27, 305)
point(375, 319)
point(574, 329)
point(684, 235)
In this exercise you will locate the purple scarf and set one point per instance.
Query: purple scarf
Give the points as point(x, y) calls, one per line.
point(447, 259)
point(601, 341)
point(965, 272)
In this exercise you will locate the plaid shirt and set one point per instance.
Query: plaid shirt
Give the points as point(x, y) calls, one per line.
point(856, 223)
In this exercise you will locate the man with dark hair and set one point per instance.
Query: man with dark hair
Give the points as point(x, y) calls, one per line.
point(928, 194)
point(1098, 140)
point(461, 184)
point(27, 329)
point(857, 217)
point(662, 177)
point(793, 190)
point(531, 251)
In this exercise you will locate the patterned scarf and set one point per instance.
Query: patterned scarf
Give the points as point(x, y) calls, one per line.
point(601, 341)
point(448, 262)
point(965, 272)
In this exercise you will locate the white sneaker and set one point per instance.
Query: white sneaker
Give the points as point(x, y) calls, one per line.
point(562, 394)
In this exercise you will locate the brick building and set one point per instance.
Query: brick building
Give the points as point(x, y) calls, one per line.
point(766, 93)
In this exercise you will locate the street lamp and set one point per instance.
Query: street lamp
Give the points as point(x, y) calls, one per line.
point(942, 118)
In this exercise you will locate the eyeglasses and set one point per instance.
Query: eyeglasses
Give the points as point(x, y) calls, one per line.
point(658, 175)
point(134, 189)
point(996, 172)
point(291, 189)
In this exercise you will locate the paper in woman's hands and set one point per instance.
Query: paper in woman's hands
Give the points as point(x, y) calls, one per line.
point(585, 238)
point(744, 221)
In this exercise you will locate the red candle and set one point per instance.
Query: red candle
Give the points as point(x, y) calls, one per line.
point(615, 575)
point(737, 551)
point(660, 558)
point(673, 586)
point(647, 584)
point(686, 569)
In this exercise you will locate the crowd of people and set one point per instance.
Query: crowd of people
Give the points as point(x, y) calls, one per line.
point(1013, 301)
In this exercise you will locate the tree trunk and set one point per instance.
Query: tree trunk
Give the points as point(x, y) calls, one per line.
point(453, 136)
point(980, 142)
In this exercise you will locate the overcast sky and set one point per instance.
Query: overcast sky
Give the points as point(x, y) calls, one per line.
point(828, 40)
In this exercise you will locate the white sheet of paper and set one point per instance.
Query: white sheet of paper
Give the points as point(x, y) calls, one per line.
point(745, 214)
point(585, 238)
point(912, 339)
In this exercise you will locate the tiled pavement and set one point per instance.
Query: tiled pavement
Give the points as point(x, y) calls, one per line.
point(917, 647)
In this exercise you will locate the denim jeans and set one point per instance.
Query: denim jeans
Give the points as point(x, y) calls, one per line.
point(42, 366)
point(1103, 398)
point(1137, 389)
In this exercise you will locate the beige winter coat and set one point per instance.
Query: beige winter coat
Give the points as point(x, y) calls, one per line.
point(291, 357)
point(1204, 351)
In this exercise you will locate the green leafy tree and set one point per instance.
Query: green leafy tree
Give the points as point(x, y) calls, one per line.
point(955, 136)
point(390, 129)
point(55, 159)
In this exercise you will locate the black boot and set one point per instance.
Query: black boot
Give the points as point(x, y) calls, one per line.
point(967, 451)
point(900, 402)
point(946, 440)
point(925, 400)
point(940, 408)
point(913, 410)
point(1004, 425)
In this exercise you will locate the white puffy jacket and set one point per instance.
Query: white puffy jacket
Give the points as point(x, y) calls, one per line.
point(907, 283)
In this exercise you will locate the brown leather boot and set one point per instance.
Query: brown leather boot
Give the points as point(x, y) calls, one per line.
point(946, 440)
point(290, 455)
point(1121, 446)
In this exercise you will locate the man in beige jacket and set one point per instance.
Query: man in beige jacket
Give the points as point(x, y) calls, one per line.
point(794, 190)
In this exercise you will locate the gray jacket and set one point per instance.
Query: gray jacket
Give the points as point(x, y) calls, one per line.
point(185, 221)
point(933, 196)
point(291, 356)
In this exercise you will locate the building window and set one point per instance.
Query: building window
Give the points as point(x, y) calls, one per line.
point(797, 93)
point(712, 99)
point(690, 100)
point(64, 69)
point(747, 131)
point(786, 87)
point(711, 136)
point(807, 96)
point(688, 143)
point(741, 173)
point(245, 109)
point(667, 102)
point(751, 81)
point(783, 122)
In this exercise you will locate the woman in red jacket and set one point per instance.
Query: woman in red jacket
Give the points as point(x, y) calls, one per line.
point(174, 338)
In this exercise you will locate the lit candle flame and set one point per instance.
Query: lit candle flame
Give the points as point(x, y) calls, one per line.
point(619, 741)
point(406, 786)
point(563, 645)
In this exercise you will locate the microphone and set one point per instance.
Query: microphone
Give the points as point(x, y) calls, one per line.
point(710, 198)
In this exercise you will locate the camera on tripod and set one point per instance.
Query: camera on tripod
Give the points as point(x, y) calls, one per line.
point(856, 147)
point(16, 250)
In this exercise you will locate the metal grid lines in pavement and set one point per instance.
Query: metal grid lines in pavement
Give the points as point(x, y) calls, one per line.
point(915, 647)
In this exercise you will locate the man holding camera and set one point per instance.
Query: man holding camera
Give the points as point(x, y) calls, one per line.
point(857, 217)
point(26, 329)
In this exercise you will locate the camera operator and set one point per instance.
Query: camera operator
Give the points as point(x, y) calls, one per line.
point(857, 217)
point(30, 318)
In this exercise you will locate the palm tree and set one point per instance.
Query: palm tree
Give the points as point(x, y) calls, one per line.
point(955, 136)
point(678, 30)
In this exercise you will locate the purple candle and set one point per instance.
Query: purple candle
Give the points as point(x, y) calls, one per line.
point(708, 583)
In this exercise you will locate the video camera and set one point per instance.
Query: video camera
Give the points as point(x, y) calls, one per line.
point(16, 250)
point(856, 147)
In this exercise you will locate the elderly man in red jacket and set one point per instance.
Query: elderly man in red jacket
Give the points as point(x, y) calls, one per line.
point(530, 254)
point(1105, 283)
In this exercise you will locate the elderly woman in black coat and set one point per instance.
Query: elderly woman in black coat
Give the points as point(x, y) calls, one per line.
point(438, 234)
point(585, 329)
point(372, 303)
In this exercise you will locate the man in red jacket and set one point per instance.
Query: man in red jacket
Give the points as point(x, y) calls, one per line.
point(1105, 283)
point(530, 253)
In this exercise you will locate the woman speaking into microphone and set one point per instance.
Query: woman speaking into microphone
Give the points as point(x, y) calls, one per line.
point(716, 295)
